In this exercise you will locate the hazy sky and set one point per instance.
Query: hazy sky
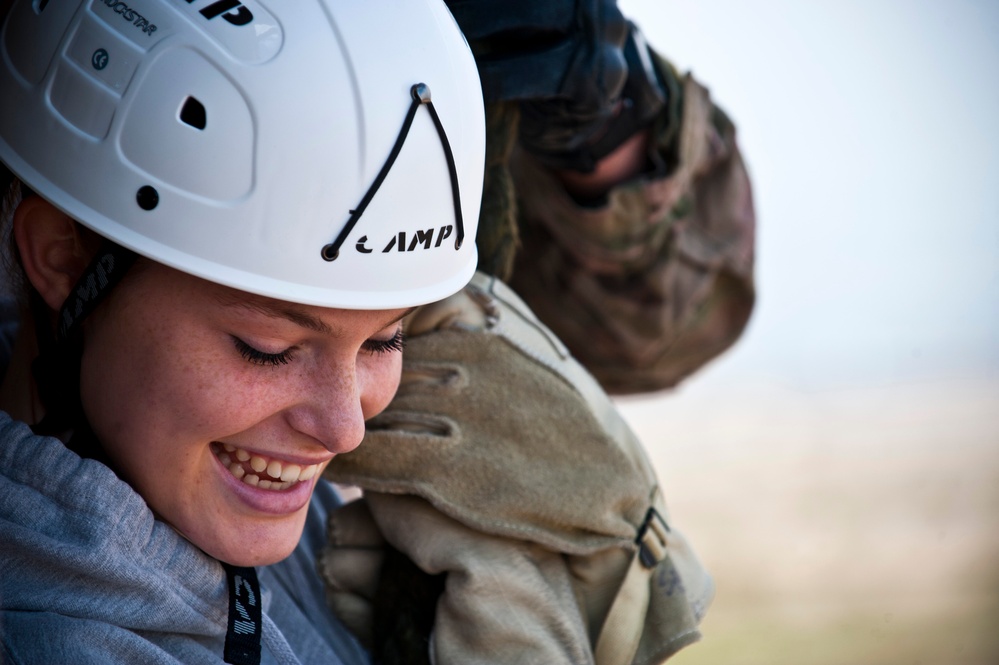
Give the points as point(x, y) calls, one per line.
point(870, 133)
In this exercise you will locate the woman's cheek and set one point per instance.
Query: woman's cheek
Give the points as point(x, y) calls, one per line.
point(378, 380)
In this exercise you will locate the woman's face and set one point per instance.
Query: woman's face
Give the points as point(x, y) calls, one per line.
point(222, 408)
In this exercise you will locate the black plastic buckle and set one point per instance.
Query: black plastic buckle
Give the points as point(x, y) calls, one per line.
point(651, 539)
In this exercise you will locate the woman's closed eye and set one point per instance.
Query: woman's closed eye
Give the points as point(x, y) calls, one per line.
point(254, 355)
point(258, 357)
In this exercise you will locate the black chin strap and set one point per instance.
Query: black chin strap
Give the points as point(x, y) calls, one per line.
point(105, 270)
point(56, 370)
point(57, 367)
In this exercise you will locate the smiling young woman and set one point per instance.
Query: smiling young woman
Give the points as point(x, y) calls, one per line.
point(198, 219)
point(190, 368)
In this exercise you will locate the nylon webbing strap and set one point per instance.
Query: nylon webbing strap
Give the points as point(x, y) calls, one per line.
point(105, 270)
point(622, 630)
point(242, 637)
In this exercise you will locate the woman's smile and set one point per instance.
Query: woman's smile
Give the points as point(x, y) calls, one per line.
point(267, 473)
point(256, 482)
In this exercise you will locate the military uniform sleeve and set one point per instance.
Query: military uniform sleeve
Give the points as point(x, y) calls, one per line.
point(649, 284)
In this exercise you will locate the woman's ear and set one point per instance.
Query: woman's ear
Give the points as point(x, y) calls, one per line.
point(52, 250)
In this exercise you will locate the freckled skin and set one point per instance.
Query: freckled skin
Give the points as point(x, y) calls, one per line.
point(162, 379)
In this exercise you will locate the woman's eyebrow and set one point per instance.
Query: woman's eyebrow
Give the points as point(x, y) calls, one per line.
point(280, 310)
point(306, 320)
point(276, 310)
point(303, 319)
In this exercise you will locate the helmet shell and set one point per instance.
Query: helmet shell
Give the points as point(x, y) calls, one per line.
point(232, 140)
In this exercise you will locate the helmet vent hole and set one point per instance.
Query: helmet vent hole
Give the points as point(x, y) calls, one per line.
point(193, 113)
point(40, 6)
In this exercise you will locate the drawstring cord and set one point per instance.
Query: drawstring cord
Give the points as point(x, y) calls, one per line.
point(421, 97)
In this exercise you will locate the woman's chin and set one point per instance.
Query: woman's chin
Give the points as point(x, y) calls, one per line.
point(255, 544)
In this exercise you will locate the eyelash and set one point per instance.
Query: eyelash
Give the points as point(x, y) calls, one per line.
point(258, 357)
point(396, 344)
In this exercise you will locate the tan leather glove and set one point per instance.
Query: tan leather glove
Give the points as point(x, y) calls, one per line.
point(506, 600)
point(503, 434)
point(352, 567)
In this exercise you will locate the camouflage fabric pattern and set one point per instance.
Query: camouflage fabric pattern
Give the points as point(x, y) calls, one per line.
point(651, 284)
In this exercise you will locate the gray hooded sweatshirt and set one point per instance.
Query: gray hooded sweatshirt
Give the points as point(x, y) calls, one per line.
point(88, 575)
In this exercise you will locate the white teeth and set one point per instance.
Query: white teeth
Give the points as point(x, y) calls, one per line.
point(279, 475)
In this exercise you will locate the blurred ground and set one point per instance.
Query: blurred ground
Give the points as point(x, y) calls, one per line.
point(843, 526)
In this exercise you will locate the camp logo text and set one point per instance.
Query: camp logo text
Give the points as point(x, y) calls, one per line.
point(419, 239)
point(130, 15)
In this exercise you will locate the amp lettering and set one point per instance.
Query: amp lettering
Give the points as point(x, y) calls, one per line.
point(424, 238)
point(232, 11)
point(89, 289)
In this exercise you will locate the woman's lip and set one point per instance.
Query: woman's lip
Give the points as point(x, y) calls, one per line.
point(272, 502)
point(283, 458)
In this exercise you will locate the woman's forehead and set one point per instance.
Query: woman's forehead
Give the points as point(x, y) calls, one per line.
point(318, 319)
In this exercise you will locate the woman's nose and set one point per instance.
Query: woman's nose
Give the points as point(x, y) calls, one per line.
point(328, 408)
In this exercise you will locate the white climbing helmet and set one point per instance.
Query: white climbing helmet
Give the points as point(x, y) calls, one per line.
point(318, 151)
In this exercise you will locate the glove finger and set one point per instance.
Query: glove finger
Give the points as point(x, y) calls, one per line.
point(460, 310)
point(434, 376)
point(412, 423)
point(355, 612)
point(355, 571)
